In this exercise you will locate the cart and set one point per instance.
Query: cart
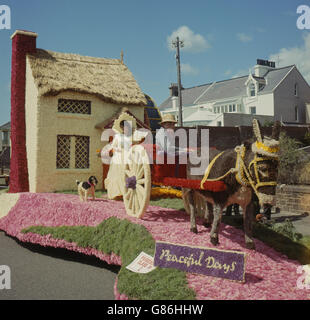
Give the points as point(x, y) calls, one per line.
point(141, 173)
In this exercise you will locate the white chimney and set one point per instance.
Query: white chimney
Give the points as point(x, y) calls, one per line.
point(174, 101)
point(262, 67)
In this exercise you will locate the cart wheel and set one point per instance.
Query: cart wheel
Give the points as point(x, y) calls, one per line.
point(137, 189)
point(199, 202)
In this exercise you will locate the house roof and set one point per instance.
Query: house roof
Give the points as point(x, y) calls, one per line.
point(200, 115)
point(226, 89)
point(189, 96)
point(109, 79)
point(108, 123)
point(6, 126)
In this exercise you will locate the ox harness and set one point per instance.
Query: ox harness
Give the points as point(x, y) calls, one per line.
point(243, 175)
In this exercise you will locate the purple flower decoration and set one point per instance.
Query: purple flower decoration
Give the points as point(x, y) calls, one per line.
point(131, 182)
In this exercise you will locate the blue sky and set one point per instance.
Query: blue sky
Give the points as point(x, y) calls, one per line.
point(223, 38)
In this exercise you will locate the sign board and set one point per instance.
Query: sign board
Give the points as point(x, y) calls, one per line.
point(144, 263)
point(225, 264)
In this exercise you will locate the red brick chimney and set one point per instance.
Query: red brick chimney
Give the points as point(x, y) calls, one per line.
point(23, 42)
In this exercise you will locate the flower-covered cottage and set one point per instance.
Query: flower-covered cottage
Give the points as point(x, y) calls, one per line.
point(59, 103)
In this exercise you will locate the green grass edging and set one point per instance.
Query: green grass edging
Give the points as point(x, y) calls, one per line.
point(126, 240)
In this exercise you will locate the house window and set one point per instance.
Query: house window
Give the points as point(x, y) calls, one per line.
point(63, 152)
point(234, 107)
point(252, 90)
point(230, 108)
point(81, 152)
point(72, 151)
point(219, 123)
point(222, 109)
point(74, 106)
point(296, 89)
point(253, 110)
point(296, 113)
point(5, 138)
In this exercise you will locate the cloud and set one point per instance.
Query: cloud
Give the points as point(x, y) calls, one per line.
point(300, 56)
point(192, 42)
point(188, 69)
point(244, 37)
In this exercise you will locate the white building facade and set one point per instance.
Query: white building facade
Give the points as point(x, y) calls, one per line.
point(268, 94)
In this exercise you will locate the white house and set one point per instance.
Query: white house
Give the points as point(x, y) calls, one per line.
point(268, 94)
point(5, 132)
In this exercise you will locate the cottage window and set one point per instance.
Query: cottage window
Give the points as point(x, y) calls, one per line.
point(81, 152)
point(296, 89)
point(74, 106)
point(63, 152)
point(72, 152)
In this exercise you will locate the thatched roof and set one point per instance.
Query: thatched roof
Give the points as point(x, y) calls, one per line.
point(108, 123)
point(109, 79)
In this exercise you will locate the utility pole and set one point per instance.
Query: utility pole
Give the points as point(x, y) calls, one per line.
point(177, 44)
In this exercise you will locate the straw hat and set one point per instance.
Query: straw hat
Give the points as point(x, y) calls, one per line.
point(124, 117)
point(168, 118)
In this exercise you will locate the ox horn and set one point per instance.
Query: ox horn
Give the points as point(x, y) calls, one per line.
point(257, 130)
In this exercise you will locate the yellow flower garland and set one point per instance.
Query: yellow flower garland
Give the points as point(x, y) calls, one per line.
point(160, 192)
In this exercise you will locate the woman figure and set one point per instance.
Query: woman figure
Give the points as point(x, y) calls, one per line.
point(126, 135)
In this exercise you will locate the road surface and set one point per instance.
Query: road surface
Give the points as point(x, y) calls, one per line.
point(53, 273)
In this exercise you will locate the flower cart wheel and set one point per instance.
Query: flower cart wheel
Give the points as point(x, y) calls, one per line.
point(137, 189)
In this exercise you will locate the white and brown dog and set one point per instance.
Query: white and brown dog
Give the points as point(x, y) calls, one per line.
point(87, 187)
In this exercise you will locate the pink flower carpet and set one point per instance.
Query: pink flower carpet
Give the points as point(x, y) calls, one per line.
point(269, 274)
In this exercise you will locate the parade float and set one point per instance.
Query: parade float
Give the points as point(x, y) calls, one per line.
point(160, 257)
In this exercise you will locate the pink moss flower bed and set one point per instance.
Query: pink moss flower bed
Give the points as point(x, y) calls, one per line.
point(269, 274)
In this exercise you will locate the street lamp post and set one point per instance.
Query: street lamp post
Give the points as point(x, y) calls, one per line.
point(177, 44)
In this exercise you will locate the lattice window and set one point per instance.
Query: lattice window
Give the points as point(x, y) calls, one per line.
point(81, 152)
point(74, 106)
point(63, 152)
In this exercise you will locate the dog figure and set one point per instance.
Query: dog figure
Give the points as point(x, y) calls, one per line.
point(87, 187)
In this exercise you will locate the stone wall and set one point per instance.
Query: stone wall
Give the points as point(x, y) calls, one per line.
point(293, 198)
point(229, 137)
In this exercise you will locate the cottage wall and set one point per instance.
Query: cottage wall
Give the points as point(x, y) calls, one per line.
point(31, 118)
point(52, 123)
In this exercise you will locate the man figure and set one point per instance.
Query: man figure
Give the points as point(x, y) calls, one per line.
point(165, 135)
